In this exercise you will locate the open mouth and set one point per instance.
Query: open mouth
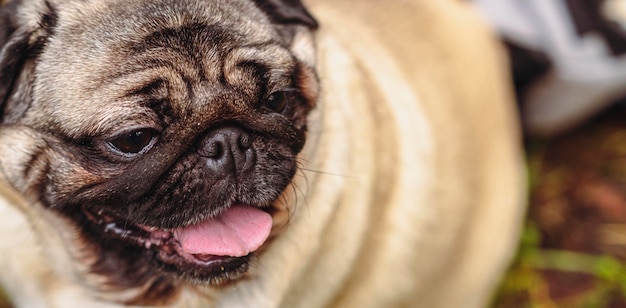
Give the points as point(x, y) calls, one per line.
point(216, 249)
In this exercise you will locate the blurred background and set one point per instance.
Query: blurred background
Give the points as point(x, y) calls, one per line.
point(573, 247)
point(568, 62)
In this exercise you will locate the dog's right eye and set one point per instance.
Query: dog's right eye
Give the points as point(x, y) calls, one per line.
point(134, 142)
point(279, 101)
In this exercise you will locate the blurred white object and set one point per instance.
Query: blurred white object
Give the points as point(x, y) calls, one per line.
point(586, 72)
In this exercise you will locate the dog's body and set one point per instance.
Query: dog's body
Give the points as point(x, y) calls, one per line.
point(410, 191)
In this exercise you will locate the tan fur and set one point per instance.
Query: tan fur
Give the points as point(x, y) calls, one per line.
point(413, 186)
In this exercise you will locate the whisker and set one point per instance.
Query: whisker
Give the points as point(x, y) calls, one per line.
point(301, 162)
point(292, 210)
point(306, 179)
point(297, 190)
point(301, 159)
point(327, 173)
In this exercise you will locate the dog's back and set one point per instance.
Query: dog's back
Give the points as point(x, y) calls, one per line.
point(446, 146)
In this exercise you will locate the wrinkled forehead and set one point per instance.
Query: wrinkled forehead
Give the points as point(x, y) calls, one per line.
point(95, 26)
point(96, 32)
point(91, 36)
point(99, 53)
point(105, 40)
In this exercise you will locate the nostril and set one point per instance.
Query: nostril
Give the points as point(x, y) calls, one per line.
point(228, 150)
point(244, 142)
point(214, 150)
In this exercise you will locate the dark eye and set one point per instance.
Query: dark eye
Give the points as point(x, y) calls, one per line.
point(278, 100)
point(134, 142)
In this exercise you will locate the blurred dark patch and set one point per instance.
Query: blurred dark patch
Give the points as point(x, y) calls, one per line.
point(526, 66)
point(4, 301)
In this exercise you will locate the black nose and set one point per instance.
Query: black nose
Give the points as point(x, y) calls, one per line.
point(228, 150)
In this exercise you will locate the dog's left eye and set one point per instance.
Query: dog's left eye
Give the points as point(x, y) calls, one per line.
point(134, 142)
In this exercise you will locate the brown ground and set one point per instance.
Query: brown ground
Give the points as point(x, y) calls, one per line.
point(574, 246)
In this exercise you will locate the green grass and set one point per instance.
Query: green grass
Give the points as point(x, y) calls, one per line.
point(527, 284)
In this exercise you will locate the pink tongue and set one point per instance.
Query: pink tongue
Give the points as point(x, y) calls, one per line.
point(236, 232)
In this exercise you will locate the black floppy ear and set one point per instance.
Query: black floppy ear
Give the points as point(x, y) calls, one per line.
point(287, 12)
point(17, 44)
point(12, 45)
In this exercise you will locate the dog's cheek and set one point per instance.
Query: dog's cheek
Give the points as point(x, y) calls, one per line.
point(277, 164)
point(19, 148)
point(64, 180)
point(32, 166)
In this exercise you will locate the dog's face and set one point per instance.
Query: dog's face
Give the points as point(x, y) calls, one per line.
point(162, 132)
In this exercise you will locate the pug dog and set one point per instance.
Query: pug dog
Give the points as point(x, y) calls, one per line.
point(254, 153)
